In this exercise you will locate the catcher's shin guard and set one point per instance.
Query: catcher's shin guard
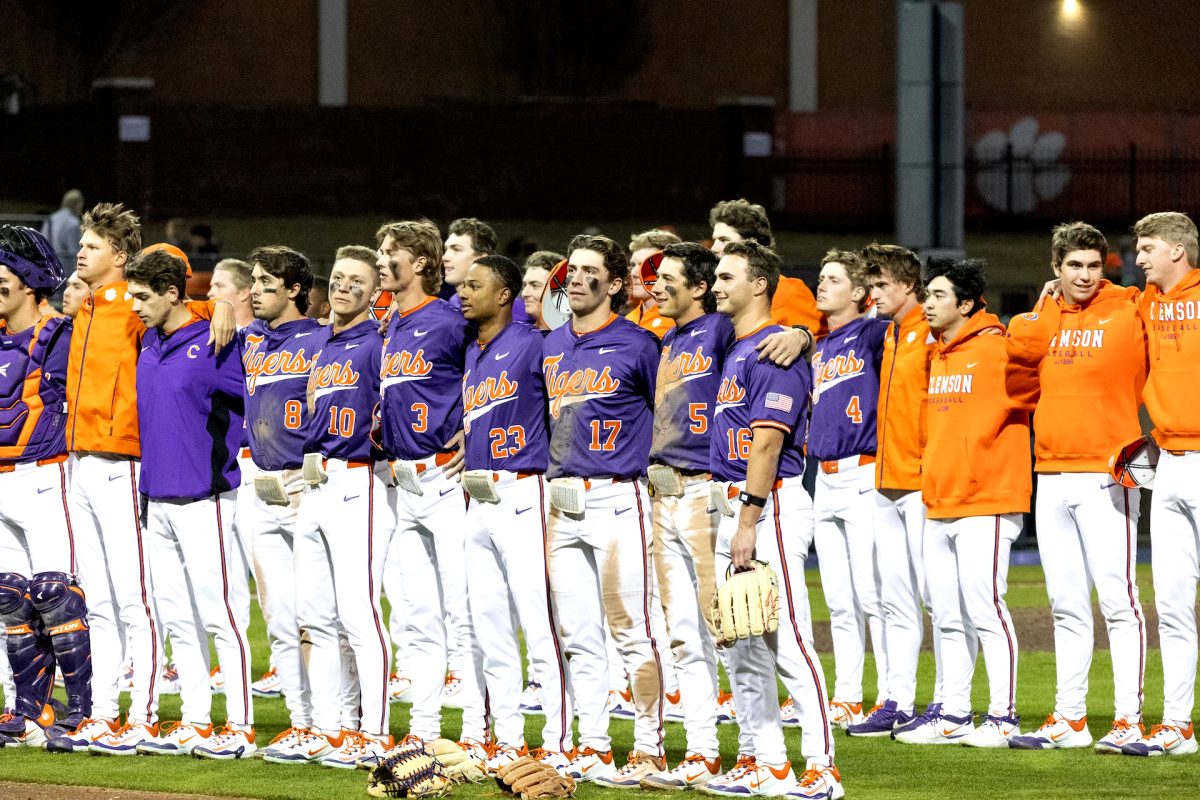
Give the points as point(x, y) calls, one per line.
point(60, 604)
point(29, 649)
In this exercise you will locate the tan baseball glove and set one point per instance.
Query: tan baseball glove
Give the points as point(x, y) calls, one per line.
point(530, 779)
point(457, 764)
point(746, 604)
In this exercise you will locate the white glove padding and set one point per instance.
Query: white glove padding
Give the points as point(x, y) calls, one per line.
point(314, 469)
point(270, 489)
point(457, 764)
point(747, 604)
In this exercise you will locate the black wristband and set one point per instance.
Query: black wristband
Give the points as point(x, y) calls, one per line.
point(752, 500)
point(811, 339)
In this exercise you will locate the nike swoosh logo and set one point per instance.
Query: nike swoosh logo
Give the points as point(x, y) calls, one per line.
point(1108, 485)
point(604, 350)
point(445, 492)
point(849, 338)
point(1054, 737)
point(349, 497)
point(620, 511)
point(743, 358)
point(502, 355)
point(298, 335)
point(863, 491)
point(1105, 321)
point(697, 333)
point(351, 346)
point(972, 365)
point(420, 333)
point(43, 491)
point(112, 478)
point(523, 510)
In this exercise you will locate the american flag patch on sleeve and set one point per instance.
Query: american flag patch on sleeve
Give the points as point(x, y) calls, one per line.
point(779, 402)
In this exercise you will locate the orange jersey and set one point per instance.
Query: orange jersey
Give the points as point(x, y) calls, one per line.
point(102, 375)
point(794, 304)
point(1172, 321)
point(976, 460)
point(647, 316)
point(903, 383)
point(1091, 369)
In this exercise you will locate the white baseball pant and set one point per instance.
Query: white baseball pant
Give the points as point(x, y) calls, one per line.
point(685, 541)
point(113, 558)
point(428, 552)
point(7, 687)
point(899, 533)
point(201, 590)
point(969, 556)
point(243, 534)
point(393, 588)
point(601, 568)
point(785, 532)
point(1175, 561)
point(272, 533)
point(1087, 535)
point(506, 563)
point(341, 543)
point(844, 510)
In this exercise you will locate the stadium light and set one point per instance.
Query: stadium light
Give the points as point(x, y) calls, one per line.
point(1071, 11)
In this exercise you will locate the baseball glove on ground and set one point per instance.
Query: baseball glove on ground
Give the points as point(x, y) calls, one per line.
point(747, 604)
point(530, 779)
point(457, 763)
point(407, 773)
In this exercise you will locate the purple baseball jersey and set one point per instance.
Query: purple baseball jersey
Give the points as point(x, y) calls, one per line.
point(277, 362)
point(689, 376)
point(845, 375)
point(504, 402)
point(600, 386)
point(755, 394)
point(33, 386)
point(421, 379)
point(189, 414)
point(345, 384)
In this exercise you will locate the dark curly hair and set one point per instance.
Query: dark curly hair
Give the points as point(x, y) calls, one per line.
point(615, 261)
point(699, 266)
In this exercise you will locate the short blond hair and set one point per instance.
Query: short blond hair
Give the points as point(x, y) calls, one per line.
point(857, 270)
point(117, 225)
point(1173, 227)
point(656, 238)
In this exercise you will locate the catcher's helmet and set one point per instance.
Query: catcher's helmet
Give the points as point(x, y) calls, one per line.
point(27, 253)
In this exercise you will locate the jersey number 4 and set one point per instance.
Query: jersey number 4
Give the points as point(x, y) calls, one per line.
point(853, 411)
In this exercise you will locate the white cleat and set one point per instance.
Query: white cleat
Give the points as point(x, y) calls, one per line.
point(995, 732)
point(691, 773)
point(1123, 732)
point(1057, 732)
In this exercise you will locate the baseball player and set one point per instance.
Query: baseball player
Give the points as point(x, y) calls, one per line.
point(1168, 253)
point(74, 293)
point(841, 436)
point(467, 240)
point(757, 461)
point(345, 522)
point(102, 435)
point(279, 350)
point(504, 419)
point(537, 268)
point(645, 311)
point(421, 411)
point(600, 372)
point(41, 607)
point(1088, 344)
point(189, 482)
point(976, 484)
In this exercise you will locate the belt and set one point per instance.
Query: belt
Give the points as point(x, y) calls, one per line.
point(42, 462)
point(834, 467)
point(588, 483)
point(435, 460)
point(245, 453)
point(519, 475)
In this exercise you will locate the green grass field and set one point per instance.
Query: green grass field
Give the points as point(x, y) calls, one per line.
point(871, 768)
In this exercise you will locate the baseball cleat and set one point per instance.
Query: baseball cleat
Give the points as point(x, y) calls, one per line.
point(503, 755)
point(726, 712)
point(300, 746)
point(79, 739)
point(18, 730)
point(788, 715)
point(409, 744)
point(531, 699)
point(168, 682)
point(357, 747)
point(227, 744)
point(269, 685)
point(399, 689)
point(843, 714)
point(589, 764)
point(477, 750)
point(1123, 732)
point(639, 766)
point(125, 740)
point(1057, 732)
point(935, 728)
point(691, 773)
point(750, 777)
point(216, 681)
point(672, 708)
point(452, 691)
point(819, 782)
point(553, 758)
point(1164, 740)
point(175, 739)
point(881, 721)
point(620, 703)
point(995, 731)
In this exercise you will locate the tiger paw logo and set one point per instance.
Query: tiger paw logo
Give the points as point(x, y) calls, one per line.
point(1035, 175)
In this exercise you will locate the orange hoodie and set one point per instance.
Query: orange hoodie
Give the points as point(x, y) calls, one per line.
point(794, 304)
point(976, 461)
point(647, 316)
point(102, 374)
point(1172, 322)
point(903, 383)
point(1091, 368)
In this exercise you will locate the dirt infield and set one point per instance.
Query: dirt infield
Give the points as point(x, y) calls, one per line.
point(49, 791)
point(1035, 630)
